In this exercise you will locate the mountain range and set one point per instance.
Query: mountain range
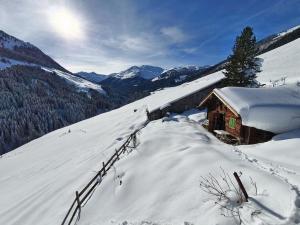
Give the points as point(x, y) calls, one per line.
point(147, 72)
point(38, 95)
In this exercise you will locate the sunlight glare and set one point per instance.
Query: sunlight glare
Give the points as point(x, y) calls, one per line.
point(66, 23)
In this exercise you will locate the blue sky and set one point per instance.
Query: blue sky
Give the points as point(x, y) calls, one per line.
point(107, 36)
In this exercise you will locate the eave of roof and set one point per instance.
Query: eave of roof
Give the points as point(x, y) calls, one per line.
point(215, 92)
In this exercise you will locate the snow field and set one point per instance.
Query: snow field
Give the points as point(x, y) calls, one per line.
point(281, 62)
point(160, 181)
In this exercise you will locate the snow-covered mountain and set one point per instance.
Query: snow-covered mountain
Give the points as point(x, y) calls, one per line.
point(145, 71)
point(277, 40)
point(140, 81)
point(10, 42)
point(17, 52)
point(14, 51)
point(158, 182)
point(92, 76)
point(180, 74)
point(38, 95)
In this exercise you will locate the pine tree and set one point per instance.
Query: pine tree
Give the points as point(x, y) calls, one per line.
point(243, 65)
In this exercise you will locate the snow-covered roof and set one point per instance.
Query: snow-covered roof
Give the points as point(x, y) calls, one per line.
point(170, 95)
point(272, 109)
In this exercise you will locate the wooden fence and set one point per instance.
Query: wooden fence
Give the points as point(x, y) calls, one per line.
point(82, 197)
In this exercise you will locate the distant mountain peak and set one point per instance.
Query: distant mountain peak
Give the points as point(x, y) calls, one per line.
point(187, 68)
point(144, 71)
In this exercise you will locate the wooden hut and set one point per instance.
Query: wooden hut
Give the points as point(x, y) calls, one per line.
point(252, 115)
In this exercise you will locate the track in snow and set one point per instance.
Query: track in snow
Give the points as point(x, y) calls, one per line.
point(278, 171)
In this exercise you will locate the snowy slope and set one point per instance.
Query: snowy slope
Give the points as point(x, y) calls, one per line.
point(82, 84)
point(6, 63)
point(24, 52)
point(281, 62)
point(65, 162)
point(10, 42)
point(160, 180)
point(288, 31)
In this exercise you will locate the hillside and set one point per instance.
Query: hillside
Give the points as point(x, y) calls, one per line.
point(280, 65)
point(15, 51)
point(38, 95)
point(92, 76)
point(157, 183)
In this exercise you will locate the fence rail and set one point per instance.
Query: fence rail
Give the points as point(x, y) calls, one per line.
point(82, 196)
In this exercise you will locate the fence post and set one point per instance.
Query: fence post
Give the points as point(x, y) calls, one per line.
point(124, 150)
point(78, 203)
point(117, 154)
point(241, 185)
point(99, 178)
point(134, 140)
point(103, 164)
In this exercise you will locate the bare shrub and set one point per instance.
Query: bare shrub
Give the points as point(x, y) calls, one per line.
point(226, 193)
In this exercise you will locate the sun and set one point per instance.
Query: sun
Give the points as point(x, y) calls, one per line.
point(66, 23)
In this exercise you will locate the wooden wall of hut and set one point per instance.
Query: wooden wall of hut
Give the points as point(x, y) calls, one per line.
point(233, 123)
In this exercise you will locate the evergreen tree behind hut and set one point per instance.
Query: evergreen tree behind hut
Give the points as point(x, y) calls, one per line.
point(242, 65)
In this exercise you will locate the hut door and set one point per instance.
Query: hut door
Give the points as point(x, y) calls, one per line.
point(219, 121)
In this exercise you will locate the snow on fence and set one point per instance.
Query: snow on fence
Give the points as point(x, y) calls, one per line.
point(83, 196)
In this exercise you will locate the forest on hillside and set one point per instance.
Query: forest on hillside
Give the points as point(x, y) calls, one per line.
point(35, 102)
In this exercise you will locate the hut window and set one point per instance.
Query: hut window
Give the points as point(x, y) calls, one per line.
point(232, 122)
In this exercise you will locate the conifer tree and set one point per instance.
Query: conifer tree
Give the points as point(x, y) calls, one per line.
point(243, 65)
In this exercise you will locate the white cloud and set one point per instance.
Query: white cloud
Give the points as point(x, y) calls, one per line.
point(190, 50)
point(110, 43)
point(175, 34)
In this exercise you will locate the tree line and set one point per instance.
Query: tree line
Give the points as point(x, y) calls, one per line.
point(35, 102)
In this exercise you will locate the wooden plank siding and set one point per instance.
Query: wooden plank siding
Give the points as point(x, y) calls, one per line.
point(220, 108)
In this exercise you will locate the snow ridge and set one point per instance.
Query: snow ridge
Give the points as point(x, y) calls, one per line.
point(10, 42)
point(6, 63)
point(82, 84)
